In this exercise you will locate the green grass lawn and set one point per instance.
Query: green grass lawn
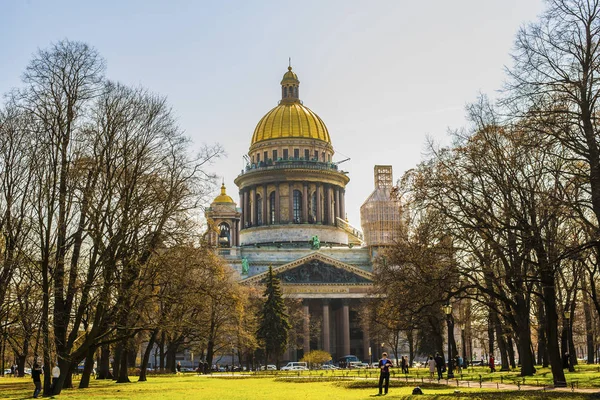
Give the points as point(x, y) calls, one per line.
point(273, 387)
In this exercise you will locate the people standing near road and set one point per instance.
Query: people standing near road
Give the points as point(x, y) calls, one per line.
point(439, 365)
point(431, 364)
point(36, 375)
point(384, 373)
point(492, 364)
point(404, 365)
point(55, 375)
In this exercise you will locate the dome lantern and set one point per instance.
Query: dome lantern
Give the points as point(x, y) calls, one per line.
point(290, 86)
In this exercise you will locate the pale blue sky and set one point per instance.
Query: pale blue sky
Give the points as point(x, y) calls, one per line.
point(383, 75)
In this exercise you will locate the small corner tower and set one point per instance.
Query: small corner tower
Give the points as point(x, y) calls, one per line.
point(223, 219)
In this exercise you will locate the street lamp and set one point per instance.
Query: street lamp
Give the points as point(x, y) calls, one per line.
point(448, 310)
point(567, 315)
point(464, 343)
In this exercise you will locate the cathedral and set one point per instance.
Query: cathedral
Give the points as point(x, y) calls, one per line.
point(292, 216)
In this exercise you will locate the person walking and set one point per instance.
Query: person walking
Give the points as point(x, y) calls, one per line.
point(384, 374)
point(439, 365)
point(404, 365)
point(492, 364)
point(459, 362)
point(36, 375)
point(55, 375)
point(431, 364)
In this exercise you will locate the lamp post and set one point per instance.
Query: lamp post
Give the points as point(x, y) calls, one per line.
point(567, 316)
point(448, 310)
point(464, 343)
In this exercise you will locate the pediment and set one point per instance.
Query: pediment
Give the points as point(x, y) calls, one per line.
point(316, 269)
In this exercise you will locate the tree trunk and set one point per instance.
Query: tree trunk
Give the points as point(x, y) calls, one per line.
point(524, 334)
point(123, 368)
point(162, 352)
point(589, 328)
point(87, 369)
point(411, 347)
point(549, 298)
point(511, 352)
point(117, 360)
point(104, 363)
point(146, 357)
point(501, 343)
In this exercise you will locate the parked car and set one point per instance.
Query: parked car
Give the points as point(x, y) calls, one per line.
point(329, 367)
point(269, 367)
point(291, 366)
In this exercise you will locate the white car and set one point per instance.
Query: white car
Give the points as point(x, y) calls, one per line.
point(329, 366)
point(292, 366)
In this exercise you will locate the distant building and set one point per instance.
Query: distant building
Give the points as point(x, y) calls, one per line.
point(380, 214)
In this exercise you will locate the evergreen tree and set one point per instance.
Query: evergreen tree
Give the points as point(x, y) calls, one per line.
point(274, 325)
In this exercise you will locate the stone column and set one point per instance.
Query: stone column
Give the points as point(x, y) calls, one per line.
point(232, 234)
point(328, 219)
point(326, 339)
point(243, 216)
point(291, 203)
point(265, 200)
point(306, 326)
point(277, 209)
point(337, 205)
point(305, 203)
point(342, 203)
point(346, 327)
point(319, 207)
point(254, 209)
point(366, 342)
point(246, 210)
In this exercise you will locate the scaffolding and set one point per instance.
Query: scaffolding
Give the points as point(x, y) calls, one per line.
point(380, 214)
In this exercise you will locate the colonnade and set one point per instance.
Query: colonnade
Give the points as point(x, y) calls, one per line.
point(334, 339)
point(330, 204)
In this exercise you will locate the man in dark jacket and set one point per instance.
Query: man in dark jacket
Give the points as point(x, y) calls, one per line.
point(439, 365)
point(384, 374)
point(36, 374)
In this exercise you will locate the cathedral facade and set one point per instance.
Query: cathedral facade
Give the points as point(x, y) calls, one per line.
point(291, 216)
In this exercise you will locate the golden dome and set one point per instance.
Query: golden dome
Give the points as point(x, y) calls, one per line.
point(223, 197)
point(290, 119)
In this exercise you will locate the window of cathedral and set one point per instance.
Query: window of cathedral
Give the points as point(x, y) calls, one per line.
point(224, 235)
point(316, 155)
point(265, 155)
point(274, 155)
point(323, 156)
point(258, 158)
point(285, 154)
point(272, 208)
point(306, 154)
point(296, 153)
point(297, 215)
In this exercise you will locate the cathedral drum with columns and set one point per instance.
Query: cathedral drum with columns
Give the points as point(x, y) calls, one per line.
point(291, 216)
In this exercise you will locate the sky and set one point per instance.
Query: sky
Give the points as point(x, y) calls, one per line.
point(384, 76)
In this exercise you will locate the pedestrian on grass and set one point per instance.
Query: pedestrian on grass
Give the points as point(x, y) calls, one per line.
point(439, 365)
point(55, 375)
point(36, 374)
point(384, 373)
point(431, 364)
point(492, 364)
